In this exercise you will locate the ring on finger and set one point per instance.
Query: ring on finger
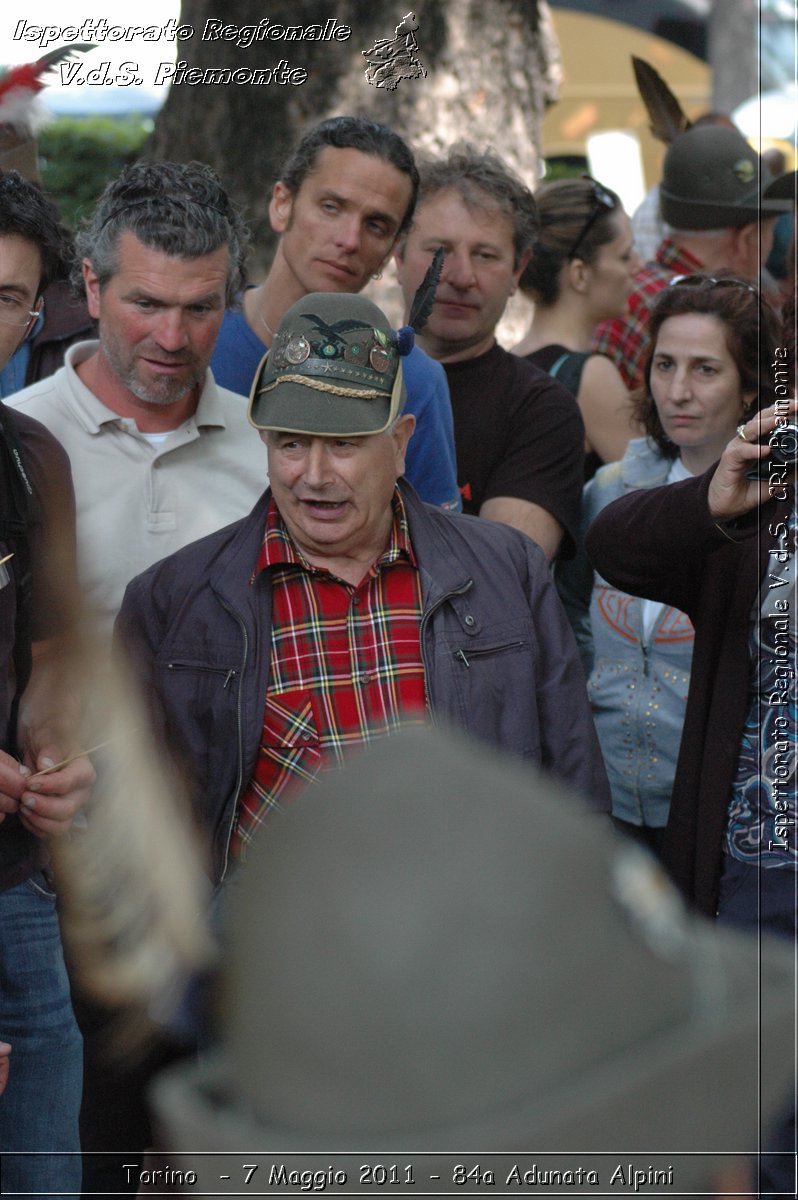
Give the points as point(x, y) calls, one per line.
point(741, 432)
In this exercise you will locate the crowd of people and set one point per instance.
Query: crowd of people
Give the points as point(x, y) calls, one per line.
point(307, 530)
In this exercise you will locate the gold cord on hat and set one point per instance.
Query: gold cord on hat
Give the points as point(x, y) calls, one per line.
point(321, 385)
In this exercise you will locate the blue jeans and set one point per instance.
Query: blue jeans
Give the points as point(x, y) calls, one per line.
point(40, 1106)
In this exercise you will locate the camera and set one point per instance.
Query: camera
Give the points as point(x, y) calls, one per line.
point(780, 464)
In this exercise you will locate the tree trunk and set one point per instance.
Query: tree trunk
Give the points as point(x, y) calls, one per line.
point(733, 52)
point(492, 67)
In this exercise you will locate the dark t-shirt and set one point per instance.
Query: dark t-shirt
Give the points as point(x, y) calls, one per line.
point(51, 532)
point(569, 375)
point(517, 433)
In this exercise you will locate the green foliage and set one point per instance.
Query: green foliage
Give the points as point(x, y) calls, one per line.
point(566, 167)
point(79, 155)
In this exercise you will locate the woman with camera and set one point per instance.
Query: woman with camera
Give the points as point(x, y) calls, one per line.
point(702, 381)
point(721, 547)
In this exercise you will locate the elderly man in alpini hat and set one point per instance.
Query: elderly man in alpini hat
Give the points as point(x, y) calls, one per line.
point(342, 607)
point(721, 204)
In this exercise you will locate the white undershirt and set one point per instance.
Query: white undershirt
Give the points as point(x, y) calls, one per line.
point(157, 439)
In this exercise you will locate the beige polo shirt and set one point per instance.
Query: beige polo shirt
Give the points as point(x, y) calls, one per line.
point(138, 502)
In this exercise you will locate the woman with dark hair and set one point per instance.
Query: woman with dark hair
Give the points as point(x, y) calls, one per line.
point(581, 272)
point(712, 345)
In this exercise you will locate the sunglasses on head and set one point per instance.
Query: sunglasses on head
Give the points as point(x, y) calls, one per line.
point(707, 281)
point(603, 201)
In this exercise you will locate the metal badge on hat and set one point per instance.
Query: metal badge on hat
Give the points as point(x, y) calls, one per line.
point(745, 170)
point(354, 358)
point(375, 349)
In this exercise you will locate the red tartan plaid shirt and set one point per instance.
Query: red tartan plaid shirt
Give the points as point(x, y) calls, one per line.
point(625, 339)
point(345, 664)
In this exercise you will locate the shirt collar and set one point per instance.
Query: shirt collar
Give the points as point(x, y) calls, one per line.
point(93, 414)
point(278, 547)
point(677, 259)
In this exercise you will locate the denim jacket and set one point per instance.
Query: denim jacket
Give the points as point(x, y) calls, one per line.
point(637, 680)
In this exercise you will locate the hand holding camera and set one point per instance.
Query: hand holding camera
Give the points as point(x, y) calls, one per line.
point(758, 463)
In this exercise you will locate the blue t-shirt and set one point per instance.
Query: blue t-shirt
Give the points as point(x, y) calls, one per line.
point(430, 464)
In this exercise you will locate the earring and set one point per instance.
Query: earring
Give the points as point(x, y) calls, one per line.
point(377, 275)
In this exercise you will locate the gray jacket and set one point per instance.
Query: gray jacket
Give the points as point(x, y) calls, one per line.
point(499, 657)
point(637, 679)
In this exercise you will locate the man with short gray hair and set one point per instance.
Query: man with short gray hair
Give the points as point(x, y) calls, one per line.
point(160, 455)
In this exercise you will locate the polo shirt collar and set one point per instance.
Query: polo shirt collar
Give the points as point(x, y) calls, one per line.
point(93, 414)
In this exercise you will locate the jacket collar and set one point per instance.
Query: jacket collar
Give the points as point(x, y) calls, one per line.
point(433, 536)
point(643, 465)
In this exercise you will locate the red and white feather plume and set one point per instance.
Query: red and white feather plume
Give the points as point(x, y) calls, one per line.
point(20, 86)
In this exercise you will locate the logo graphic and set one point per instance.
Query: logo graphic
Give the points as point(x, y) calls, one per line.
point(390, 60)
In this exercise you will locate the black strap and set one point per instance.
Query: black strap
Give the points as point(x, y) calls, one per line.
point(568, 369)
point(14, 531)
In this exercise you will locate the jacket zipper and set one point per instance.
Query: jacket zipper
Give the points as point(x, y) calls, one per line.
point(425, 618)
point(185, 666)
point(466, 661)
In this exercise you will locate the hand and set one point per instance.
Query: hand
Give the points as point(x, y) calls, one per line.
point(49, 803)
point(5, 1050)
point(13, 779)
point(730, 493)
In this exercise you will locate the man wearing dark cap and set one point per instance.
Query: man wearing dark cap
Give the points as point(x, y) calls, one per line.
point(342, 607)
point(722, 206)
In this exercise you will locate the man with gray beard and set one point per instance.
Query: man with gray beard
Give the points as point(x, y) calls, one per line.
point(160, 455)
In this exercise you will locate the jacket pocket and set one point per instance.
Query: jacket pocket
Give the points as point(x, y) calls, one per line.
point(465, 656)
point(227, 674)
point(199, 702)
point(490, 689)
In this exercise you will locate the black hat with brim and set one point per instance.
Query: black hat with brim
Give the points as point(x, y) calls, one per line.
point(713, 179)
